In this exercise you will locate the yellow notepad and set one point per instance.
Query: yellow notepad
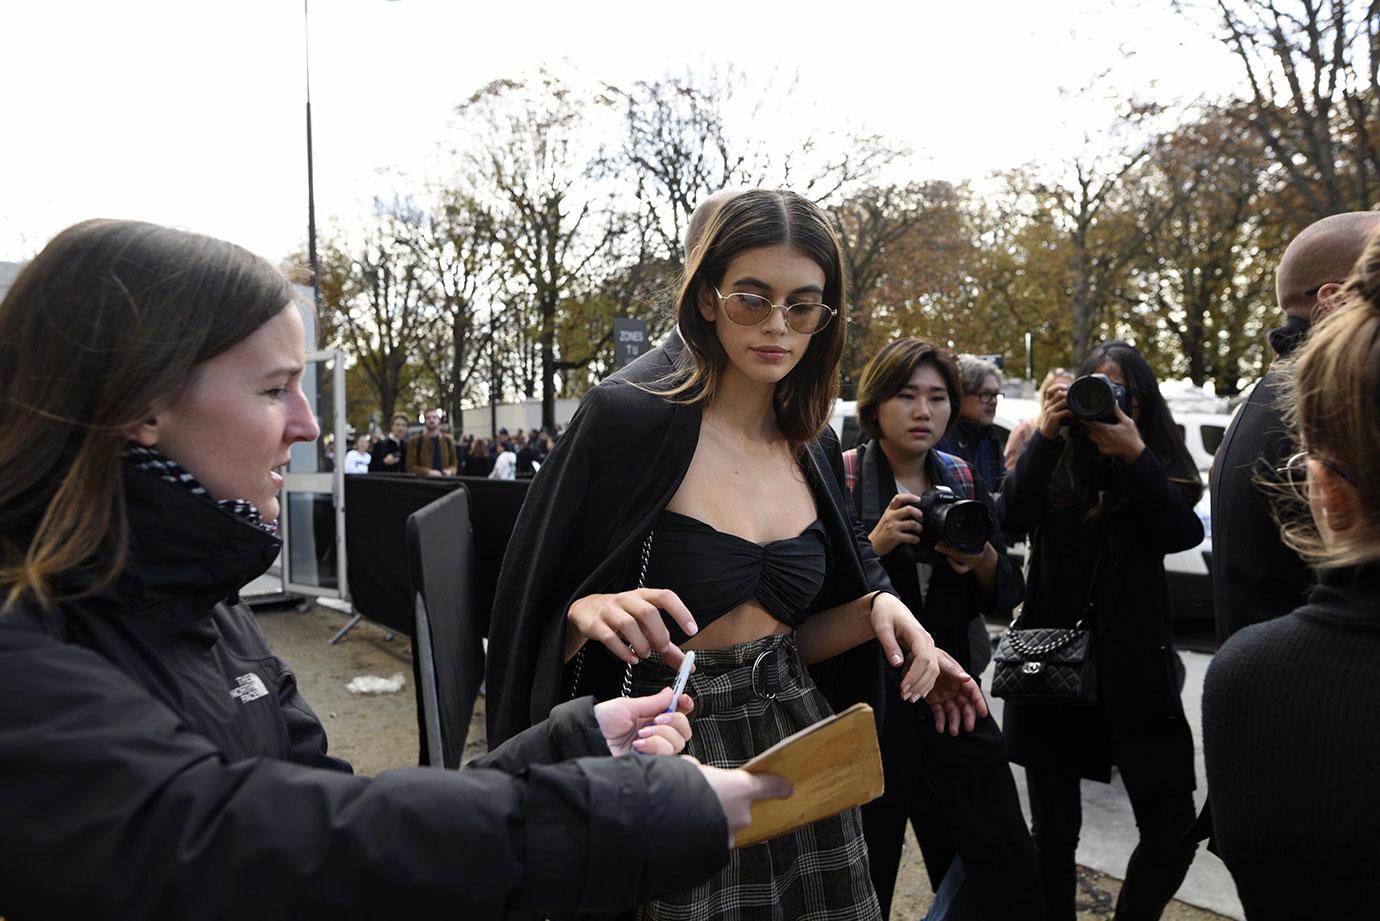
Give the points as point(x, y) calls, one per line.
point(833, 765)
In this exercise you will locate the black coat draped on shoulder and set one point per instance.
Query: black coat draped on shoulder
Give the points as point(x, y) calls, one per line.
point(614, 469)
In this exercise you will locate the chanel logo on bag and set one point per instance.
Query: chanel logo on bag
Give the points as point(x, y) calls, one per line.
point(1032, 668)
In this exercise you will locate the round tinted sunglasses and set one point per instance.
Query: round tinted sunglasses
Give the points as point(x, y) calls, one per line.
point(753, 309)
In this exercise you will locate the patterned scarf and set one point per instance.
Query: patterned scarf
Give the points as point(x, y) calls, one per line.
point(169, 471)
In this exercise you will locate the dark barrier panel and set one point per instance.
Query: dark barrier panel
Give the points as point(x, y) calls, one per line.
point(447, 653)
point(376, 510)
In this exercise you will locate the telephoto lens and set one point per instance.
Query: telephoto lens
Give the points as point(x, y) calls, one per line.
point(1094, 398)
point(960, 523)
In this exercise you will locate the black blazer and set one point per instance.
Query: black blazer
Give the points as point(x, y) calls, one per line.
point(615, 468)
point(952, 601)
point(1138, 723)
point(1254, 576)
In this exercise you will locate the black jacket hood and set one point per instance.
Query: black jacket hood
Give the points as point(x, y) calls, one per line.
point(184, 546)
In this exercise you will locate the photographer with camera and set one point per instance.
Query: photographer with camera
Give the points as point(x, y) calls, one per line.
point(933, 524)
point(1106, 488)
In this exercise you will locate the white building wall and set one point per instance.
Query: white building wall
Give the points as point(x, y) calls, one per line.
point(513, 416)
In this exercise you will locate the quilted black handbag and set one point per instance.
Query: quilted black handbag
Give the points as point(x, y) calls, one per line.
point(1048, 665)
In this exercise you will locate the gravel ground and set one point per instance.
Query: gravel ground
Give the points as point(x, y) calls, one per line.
point(378, 732)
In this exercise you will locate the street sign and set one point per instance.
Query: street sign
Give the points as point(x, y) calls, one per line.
point(629, 340)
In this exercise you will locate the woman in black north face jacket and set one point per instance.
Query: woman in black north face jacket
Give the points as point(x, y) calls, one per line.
point(157, 760)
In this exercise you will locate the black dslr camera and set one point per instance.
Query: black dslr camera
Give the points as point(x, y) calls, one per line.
point(1094, 398)
point(961, 523)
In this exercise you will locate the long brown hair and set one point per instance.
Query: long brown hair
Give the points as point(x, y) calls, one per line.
point(1334, 407)
point(1073, 485)
point(111, 318)
point(805, 398)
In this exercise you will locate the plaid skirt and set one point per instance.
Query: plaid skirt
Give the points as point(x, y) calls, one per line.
point(747, 698)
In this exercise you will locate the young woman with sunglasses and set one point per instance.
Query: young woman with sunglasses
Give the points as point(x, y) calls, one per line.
point(1103, 503)
point(1291, 707)
point(695, 502)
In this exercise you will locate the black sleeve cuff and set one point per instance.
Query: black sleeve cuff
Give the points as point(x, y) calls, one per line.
point(571, 731)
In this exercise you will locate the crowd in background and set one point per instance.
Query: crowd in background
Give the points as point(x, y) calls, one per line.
point(435, 449)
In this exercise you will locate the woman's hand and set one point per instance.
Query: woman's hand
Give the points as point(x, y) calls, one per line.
point(956, 700)
point(984, 562)
point(629, 619)
point(900, 524)
point(1056, 412)
point(641, 724)
point(1120, 439)
point(901, 635)
point(737, 790)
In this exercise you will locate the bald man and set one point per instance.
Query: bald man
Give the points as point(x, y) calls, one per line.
point(1254, 576)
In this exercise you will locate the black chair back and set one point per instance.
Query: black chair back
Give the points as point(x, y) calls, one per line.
point(448, 655)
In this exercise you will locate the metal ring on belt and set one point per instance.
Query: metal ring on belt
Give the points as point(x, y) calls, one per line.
point(756, 664)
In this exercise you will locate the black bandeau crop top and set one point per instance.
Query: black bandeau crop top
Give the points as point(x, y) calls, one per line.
point(713, 572)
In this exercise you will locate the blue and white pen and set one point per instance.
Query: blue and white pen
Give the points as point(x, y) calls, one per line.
point(682, 677)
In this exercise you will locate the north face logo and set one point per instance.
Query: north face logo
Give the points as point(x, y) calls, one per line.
point(249, 687)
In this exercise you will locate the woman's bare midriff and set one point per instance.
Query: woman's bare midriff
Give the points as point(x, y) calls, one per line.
point(747, 622)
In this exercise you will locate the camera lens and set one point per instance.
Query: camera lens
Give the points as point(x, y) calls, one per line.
point(1091, 398)
point(966, 526)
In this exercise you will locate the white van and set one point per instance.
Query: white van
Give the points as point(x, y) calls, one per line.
point(844, 422)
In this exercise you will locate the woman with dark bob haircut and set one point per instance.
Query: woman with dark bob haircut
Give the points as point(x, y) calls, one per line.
point(956, 790)
point(1103, 503)
point(157, 759)
point(696, 502)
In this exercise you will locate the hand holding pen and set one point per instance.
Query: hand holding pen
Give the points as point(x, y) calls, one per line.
point(655, 725)
point(645, 725)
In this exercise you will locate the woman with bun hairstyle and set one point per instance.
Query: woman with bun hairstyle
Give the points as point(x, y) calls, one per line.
point(696, 503)
point(157, 759)
point(954, 788)
point(1103, 503)
point(1291, 707)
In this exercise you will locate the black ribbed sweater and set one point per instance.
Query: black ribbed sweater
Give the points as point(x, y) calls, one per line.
point(1291, 735)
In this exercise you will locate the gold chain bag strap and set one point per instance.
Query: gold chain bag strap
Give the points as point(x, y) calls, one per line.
point(579, 665)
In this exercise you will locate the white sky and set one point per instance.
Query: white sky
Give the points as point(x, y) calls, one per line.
point(190, 113)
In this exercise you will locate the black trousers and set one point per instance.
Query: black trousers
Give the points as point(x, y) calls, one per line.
point(1158, 864)
point(958, 795)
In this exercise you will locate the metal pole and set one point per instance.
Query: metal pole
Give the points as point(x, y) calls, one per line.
point(493, 377)
point(311, 181)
